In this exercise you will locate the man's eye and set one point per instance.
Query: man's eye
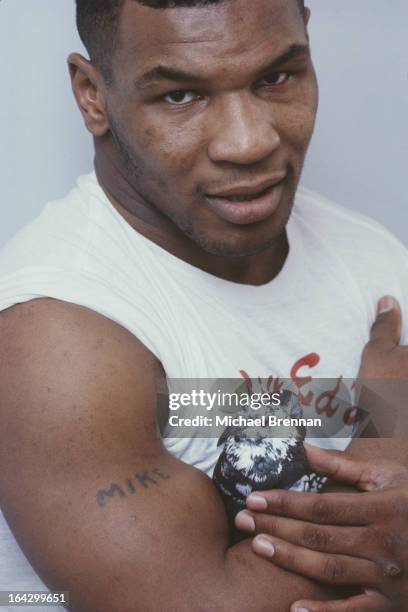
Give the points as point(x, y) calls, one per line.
point(277, 78)
point(180, 97)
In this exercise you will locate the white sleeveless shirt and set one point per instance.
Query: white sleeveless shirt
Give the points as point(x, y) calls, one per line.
point(309, 324)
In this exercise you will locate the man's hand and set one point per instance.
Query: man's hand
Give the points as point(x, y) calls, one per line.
point(382, 382)
point(383, 356)
point(351, 539)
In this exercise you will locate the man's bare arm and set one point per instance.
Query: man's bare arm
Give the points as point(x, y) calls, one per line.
point(99, 506)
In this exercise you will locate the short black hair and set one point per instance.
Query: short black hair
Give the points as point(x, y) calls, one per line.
point(98, 26)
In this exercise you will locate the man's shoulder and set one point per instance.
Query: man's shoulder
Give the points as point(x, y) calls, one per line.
point(48, 334)
point(55, 234)
point(80, 251)
point(340, 225)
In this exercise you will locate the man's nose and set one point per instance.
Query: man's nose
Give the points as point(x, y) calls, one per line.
point(243, 131)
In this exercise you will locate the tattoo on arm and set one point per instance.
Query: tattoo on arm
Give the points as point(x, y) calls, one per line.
point(140, 480)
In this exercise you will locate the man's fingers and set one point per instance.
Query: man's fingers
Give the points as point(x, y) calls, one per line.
point(357, 509)
point(387, 327)
point(353, 541)
point(368, 602)
point(338, 570)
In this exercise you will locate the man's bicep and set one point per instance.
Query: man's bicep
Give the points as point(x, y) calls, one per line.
point(95, 501)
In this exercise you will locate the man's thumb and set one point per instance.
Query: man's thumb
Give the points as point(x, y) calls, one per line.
point(387, 327)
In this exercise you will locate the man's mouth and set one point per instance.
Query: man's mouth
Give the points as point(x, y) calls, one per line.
point(246, 204)
point(247, 197)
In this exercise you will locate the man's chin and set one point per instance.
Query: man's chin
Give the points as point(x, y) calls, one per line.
point(243, 241)
point(238, 247)
point(233, 240)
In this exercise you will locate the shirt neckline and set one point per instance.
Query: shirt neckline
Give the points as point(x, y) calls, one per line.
point(284, 283)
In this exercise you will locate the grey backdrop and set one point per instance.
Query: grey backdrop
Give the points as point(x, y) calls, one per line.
point(360, 151)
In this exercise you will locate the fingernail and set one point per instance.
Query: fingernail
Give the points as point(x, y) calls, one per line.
point(264, 546)
point(257, 502)
point(244, 521)
point(300, 610)
point(386, 304)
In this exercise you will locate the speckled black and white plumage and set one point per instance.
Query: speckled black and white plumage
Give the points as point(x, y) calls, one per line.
point(252, 461)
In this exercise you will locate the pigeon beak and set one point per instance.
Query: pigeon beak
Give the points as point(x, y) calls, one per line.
point(229, 432)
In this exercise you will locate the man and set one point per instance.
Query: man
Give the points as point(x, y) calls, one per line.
point(186, 256)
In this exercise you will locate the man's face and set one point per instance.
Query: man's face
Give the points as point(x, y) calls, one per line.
point(212, 109)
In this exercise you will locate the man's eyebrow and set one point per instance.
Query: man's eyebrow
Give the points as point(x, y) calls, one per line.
point(293, 52)
point(168, 73)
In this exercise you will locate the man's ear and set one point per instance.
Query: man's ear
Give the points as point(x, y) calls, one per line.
point(86, 85)
point(306, 19)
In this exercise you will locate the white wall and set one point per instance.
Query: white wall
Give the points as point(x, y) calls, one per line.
point(359, 155)
point(360, 151)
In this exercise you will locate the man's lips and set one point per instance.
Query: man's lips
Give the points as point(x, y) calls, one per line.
point(250, 189)
point(247, 204)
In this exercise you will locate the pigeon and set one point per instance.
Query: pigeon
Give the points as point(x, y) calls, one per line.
point(252, 460)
